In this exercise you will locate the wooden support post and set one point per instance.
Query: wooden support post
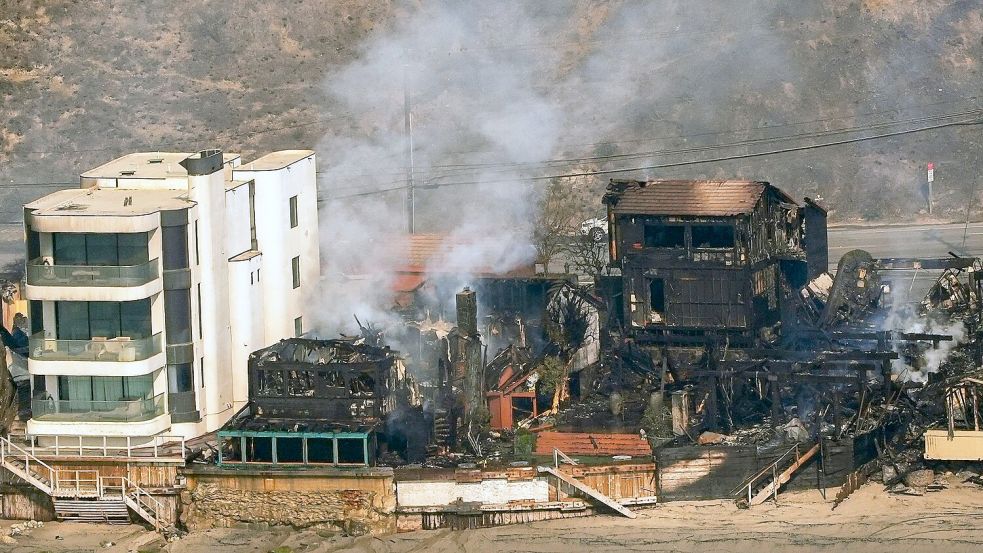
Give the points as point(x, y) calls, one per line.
point(837, 411)
point(777, 413)
point(712, 410)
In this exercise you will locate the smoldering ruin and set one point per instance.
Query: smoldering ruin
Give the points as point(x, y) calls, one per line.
point(716, 332)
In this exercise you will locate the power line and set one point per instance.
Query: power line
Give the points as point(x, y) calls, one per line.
point(685, 162)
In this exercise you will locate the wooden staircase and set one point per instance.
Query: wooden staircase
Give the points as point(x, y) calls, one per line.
point(588, 491)
point(84, 495)
point(766, 482)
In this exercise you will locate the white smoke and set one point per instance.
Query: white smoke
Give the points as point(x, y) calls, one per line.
point(497, 89)
point(931, 359)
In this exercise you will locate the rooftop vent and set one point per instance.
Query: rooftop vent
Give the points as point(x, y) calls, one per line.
point(127, 173)
point(156, 160)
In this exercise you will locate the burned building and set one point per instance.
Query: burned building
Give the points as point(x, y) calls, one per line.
point(709, 256)
point(335, 402)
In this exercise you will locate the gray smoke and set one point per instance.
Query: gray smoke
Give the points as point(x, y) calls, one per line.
point(497, 90)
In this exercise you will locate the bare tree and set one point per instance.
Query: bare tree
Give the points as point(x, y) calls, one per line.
point(557, 210)
point(587, 255)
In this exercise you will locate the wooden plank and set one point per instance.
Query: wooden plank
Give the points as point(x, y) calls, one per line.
point(590, 492)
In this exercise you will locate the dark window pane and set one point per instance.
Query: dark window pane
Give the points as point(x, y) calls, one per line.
point(133, 248)
point(104, 319)
point(180, 378)
point(69, 248)
point(100, 249)
point(295, 267)
point(135, 319)
point(33, 244)
point(72, 320)
point(293, 212)
point(37, 317)
point(664, 236)
point(175, 247)
point(177, 316)
point(713, 236)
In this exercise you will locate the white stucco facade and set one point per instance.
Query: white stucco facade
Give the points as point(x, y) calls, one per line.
point(150, 285)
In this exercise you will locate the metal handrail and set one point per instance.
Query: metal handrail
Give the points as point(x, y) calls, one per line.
point(77, 448)
point(155, 506)
point(749, 482)
point(6, 450)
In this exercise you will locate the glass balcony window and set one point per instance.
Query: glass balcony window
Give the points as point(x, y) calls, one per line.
point(81, 410)
point(40, 274)
point(120, 349)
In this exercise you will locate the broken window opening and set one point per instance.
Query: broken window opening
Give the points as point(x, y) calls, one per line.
point(332, 379)
point(351, 451)
point(657, 300)
point(665, 236)
point(300, 383)
point(713, 236)
point(522, 408)
point(259, 449)
point(363, 385)
point(232, 450)
point(269, 383)
point(320, 450)
point(289, 450)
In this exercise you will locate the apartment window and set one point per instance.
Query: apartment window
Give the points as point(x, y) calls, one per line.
point(665, 236)
point(293, 212)
point(197, 252)
point(298, 326)
point(175, 247)
point(201, 323)
point(177, 316)
point(100, 249)
point(84, 389)
point(295, 266)
point(201, 368)
point(79, 320)
point(180, 378)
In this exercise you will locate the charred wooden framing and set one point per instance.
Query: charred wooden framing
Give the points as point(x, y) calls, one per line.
point(701, 257)
point(322, 402)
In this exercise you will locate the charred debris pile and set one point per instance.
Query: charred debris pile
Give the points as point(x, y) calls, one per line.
point(717, 324)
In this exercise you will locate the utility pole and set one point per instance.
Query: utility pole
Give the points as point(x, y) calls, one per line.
point(408, 132)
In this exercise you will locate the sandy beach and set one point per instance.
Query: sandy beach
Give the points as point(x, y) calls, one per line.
point(870, 521)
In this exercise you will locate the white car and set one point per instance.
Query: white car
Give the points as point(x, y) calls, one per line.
point(596, 228)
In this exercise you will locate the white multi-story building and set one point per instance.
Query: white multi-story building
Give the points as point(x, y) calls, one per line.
point(150, 285)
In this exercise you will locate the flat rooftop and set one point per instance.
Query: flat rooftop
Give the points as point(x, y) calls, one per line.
point(109, 201)
point(146, 165)
point(276, 160)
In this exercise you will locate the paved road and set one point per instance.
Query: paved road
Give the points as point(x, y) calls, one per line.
point(925, 241)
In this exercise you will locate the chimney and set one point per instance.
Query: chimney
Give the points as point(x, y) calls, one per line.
point(467, 312)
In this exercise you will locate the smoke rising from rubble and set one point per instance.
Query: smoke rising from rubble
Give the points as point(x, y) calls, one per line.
point(907, 320)
point(496, 90)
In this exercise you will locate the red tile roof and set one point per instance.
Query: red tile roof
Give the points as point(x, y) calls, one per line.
point(718, 198)
point(576, 443)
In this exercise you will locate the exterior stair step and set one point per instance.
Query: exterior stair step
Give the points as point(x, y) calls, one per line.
point(93, 510)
